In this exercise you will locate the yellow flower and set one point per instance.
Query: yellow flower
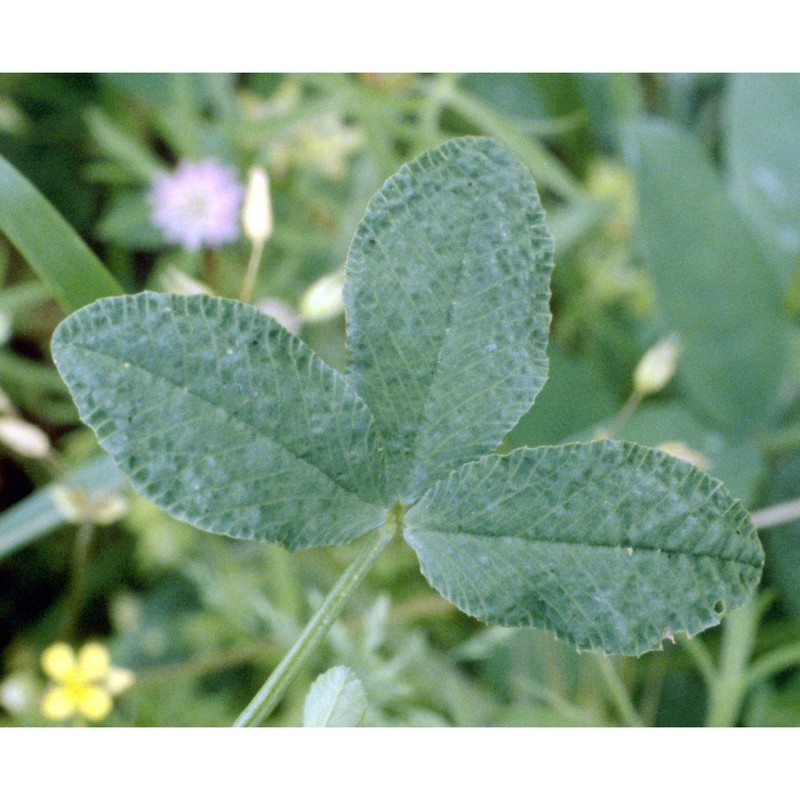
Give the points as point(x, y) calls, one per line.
point(85, 683)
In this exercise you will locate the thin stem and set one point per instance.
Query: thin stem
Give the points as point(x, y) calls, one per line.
point(209, 663)
point(537, 691)
point(776, 661)
point(701, 657)
point(622, 416)
point(271, 692)
point(618, 692)
point(80, 565)
point(544, 166)
point(252, 271)
point(776, 515)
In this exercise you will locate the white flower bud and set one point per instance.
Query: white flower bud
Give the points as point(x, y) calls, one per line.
point(24, 438)
point(257, 212)
point(323, 300)
point(657, 366)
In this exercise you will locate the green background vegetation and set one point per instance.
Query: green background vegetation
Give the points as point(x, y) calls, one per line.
point(674, 204)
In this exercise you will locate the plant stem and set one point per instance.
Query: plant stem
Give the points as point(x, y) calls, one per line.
point(776, 661)
point(618, 693)
point(271, 692)
point(80, 564)
point(776, 515)
point(622, 416)
point(728, 689)
point(252, 271)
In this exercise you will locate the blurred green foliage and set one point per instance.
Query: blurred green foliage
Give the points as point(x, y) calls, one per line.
point(674, 206)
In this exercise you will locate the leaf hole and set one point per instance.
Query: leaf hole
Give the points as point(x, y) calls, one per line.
point(719, 607)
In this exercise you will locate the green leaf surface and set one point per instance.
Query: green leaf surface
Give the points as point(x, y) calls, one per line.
point(447, 292)
point(221, 417)
point(714, 285)
point(613, 546)
point(48, 243)
point(336, 699)
point(763, 123)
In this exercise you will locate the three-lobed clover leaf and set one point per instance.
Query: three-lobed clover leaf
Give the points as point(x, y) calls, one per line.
point(224, 419)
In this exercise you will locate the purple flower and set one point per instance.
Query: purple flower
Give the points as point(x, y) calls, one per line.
point(198, 204)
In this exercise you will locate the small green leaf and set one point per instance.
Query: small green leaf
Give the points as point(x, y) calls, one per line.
point(613, 546)
point(47, 242)
point(223, 418)
point(714, 285)
point(336, 699)
point(447, 291)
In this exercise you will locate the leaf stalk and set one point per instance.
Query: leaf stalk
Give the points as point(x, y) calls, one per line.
point(313, 634)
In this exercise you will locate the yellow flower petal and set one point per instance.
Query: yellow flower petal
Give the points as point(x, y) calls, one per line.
point(93, 662)
point(94, 703)
point(58, 704)
point(58, 660)
point(118, 680)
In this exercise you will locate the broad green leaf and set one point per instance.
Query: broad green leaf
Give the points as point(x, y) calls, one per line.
point(47, 242)
point(763, 124)
point(613, 546)
point(447, 290)
point(221, 417)
point(714, 284)
point(336, 699)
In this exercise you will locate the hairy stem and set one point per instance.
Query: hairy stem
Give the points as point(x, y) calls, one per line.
point(271, 692)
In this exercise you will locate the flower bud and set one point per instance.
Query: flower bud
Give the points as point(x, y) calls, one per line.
point(24, 438)
point(257, 213)
point(323, 300)
point(657, 366)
